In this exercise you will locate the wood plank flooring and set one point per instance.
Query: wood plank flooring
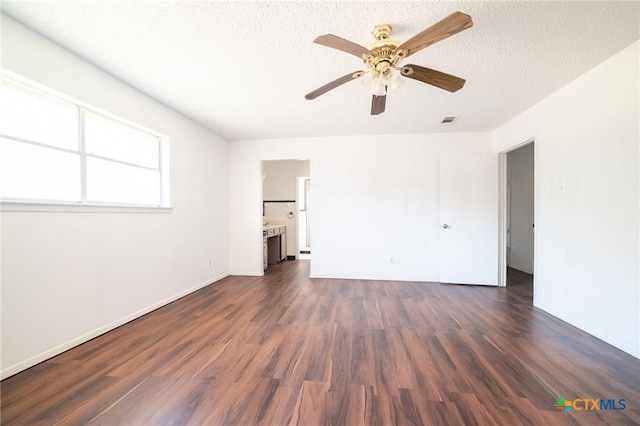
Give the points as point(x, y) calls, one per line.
point(285, 349)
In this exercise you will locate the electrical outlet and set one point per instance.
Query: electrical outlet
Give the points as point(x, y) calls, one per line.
point(392, 260)
point(209, 263)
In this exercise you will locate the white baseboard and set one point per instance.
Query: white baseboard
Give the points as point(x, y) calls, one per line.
point(30, 362)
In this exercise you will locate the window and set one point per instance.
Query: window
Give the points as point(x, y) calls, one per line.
point(56, 150)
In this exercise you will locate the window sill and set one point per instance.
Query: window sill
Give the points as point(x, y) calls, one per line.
point(44, 207)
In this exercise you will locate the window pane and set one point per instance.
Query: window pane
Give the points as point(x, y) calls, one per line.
point(38, 173)
point(110, 182)
point(37, 117)
point(109, 138)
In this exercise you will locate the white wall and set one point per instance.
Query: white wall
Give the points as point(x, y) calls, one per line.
point(587, 199)
point(520, 164)
point(67, 277)
point(374, 197)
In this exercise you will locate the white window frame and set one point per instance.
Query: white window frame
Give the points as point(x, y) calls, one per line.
point(84, 205)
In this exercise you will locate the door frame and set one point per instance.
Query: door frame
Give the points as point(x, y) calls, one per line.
point(299, 247)
point(503, 207)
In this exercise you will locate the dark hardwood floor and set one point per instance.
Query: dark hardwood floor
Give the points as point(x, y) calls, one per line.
point(286, 349)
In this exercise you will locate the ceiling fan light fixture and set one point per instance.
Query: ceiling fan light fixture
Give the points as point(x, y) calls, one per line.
point(379, 84)
point(394, 81)
point(374, 84)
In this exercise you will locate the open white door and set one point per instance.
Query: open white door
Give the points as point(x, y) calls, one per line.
point(469, 219)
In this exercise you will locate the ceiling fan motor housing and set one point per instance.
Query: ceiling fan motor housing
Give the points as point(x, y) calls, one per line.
point(382, 58)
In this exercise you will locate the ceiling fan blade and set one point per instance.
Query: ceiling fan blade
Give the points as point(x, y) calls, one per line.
point(332, 85)
point(449, 26)
point(435, 78)
point(377, 104)
point(338, 43)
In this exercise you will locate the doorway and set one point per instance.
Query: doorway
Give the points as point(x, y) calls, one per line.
point(281, 202)
point(518, 211)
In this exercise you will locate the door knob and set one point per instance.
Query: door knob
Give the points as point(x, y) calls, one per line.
point(445, 226)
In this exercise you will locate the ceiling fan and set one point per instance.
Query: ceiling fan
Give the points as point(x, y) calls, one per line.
point(382, 60)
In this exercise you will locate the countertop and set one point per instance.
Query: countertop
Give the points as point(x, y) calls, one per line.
point(270, 226)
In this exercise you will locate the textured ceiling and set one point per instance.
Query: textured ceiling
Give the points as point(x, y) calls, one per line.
point(242, 68)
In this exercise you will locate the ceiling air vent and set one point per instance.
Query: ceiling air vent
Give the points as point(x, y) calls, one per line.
point(448, 120)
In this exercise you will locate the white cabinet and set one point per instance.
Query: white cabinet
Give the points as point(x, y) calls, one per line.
point(274, 248)
point(265, 252)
